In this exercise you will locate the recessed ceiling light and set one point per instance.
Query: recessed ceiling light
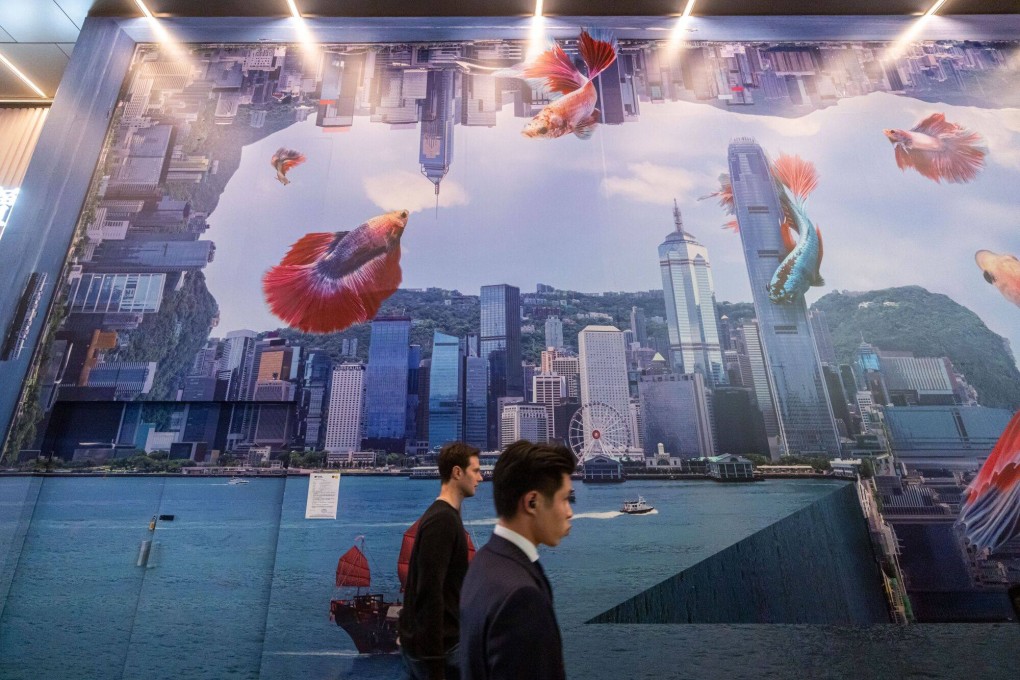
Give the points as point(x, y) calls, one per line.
point(25, 79)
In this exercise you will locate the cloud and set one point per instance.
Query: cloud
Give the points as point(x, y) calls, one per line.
point(403, 190)
point(651, 183)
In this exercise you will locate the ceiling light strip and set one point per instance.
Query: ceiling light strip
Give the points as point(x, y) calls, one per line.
point(293, 9)
point(690, 8)
point(144, 9)
point(934, 8)
point(538, 8)
point(22, 76)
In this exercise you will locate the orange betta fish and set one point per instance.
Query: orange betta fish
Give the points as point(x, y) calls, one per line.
point(330, 281)
point(575, 111)
point(283, 160)
point(939, 150)
point(1002, 271)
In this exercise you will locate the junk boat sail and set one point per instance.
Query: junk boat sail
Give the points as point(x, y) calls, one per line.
point(370, 619)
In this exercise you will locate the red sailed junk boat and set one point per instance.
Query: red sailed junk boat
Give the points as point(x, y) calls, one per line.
point(369, 619)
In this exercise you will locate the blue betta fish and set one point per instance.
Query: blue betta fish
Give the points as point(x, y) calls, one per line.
point(796, 178)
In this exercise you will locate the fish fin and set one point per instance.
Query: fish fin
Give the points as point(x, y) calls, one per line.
point(725, 194)
point(961, 158)
point(291, 162)
point(310, 248)
point(797, 174)
point(555, 67)
point(935, 125)
point(924, 163)
point(307, 300)
point(733, 225)
point(787, 233)
point(586, 128)
point(598, 52)
point(819, 281)
point(903, 159)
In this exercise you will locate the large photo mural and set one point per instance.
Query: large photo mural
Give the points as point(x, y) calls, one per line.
point(658, 253)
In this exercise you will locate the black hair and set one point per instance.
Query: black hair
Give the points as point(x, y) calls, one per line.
point(454, 454)
point(524, 467)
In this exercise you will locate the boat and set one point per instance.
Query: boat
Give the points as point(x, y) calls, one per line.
point(370, 619)
point(638, 507)
point(236, 480)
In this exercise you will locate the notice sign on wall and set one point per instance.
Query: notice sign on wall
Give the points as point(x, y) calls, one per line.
point(323, 494)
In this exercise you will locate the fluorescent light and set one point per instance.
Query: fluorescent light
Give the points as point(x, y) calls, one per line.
point(538, 8)
point(22, 76)
point(690, 8)
point(934, 8)
point(144, 9)
point(293, 9)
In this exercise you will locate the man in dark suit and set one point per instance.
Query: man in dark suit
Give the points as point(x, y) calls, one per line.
point(508, 628)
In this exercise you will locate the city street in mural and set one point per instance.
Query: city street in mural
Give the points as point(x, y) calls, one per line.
point(239, 299)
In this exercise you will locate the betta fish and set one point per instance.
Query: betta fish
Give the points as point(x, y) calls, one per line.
point(1002, 271)
point(330, 281)
point(939, 150)
point(575, 112)
point(795, 179)
point(285, 159)
point(990, 512)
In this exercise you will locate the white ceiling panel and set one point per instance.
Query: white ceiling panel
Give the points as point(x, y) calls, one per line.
point(37, 21)
point(76, 10)
point(43, 63)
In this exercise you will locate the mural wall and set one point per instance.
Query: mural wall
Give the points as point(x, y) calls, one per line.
point(791, 251)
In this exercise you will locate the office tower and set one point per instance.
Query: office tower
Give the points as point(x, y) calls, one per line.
point(128, 378)
point(603, 368)
point(315, 395)
point(500, 344)
point(635, 422)
point(237, 364)
point(438, 111)
point(638, 326)
point(274, 362)
point(566, 365)
point(917, 381)
point(523, 421)
point(756, 372)
point(528, 370)
point(151, 256)
point(424, 378)
point(550, 391)
point(553, 332)
point(386, 384)
point(690, 305)
point(740, 428)
point(802, 405)
point(446, 396)
point(116, 293)
point(837, 400)
point(476, 388)
point(413, 377)
point(344, 421)
point(675, 411)
point(823, 337)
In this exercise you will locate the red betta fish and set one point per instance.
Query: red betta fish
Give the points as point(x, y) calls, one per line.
point(990, 512)
point(939, 150)
point(330, 281)
point(285, 159)
point(575, 112)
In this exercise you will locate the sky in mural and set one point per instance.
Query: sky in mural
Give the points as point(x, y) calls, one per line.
point(589, 215)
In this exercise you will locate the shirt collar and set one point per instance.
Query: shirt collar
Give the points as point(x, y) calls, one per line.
point(526, 546)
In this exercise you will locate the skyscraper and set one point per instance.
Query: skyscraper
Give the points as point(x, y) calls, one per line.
point(805, 418)
point(823, 337)
point(759, 379)
point(690, 305)
point(386, 384)
point(315, 397)
point(500, 345)
point(604, 374)
point(523, 421)
point(446, 396)
point(675, 413)
point(638, 326)
point(346, 400)
point(476, 384)
point(553, 332)
point(437, 118)
point(550, 391)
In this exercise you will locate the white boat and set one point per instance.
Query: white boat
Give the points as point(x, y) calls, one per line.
point(236, 480)
point(638, 507)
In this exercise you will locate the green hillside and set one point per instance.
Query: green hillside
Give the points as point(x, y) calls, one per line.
point(929, 325)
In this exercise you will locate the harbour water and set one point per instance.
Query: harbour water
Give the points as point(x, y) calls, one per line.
point(238, 584)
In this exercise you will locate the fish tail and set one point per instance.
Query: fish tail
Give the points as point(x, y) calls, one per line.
point(797, 174)
point(308, 248)
point(598, 51)
point(312, 302)
point(732, 225)
point(992, 518)
point(962, 156)
point(819, 281)
point(556, 69)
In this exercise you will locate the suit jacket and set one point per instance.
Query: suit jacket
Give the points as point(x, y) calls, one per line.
point(508, 628)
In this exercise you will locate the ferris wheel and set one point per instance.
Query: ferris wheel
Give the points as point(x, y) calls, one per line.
point(598, 429)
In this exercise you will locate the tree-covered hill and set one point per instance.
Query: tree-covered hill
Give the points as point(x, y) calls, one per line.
point(929, 325)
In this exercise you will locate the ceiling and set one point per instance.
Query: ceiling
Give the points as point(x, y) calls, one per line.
point(38, 36)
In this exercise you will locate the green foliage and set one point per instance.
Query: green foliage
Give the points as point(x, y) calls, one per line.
point(929, 325)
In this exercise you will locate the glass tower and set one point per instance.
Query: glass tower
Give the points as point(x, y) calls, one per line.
point(802, 404)
point(446, 398)
point(690, 305)
point(501, 329)
point(386, 383)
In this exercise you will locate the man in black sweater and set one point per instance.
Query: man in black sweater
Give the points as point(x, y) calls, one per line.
point(429, 622)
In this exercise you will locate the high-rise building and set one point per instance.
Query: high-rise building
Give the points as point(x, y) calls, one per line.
point(151, 256)
point(524, 421)
point(755, 372)
point(129, 378)
point(740, 428)
point(566, 365)
point(315, 397)
point(438, 111)
point(638, 326)
point(500, 345)
point(675, 413)
point(344, 422)
point(424, 384)
point(604, 374)
point(116, 293)
point(823, 337)
point(802, 404)
point(690, 305)
point(553, 332)
point(550, 390)
point(446, 395)
point(386, 384)
point(476, 387)
point(237, 364)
